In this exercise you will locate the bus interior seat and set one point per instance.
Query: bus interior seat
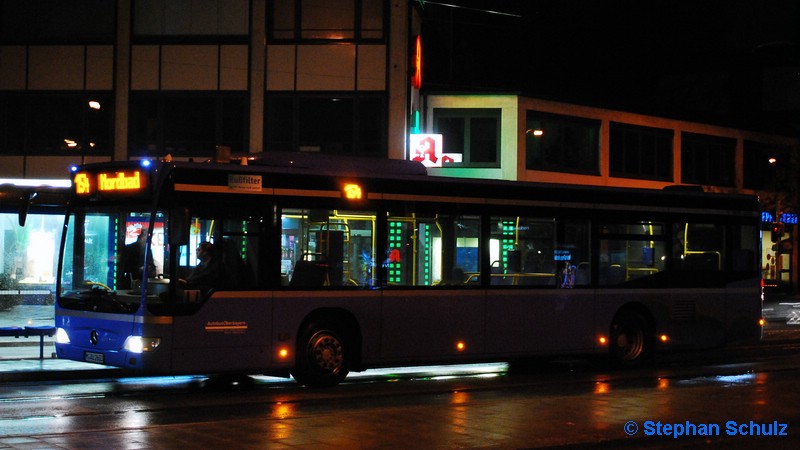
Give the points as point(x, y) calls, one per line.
point(498, 274)
point(742, 260)
point(701, 261)
point(457, 276)
point(237, 272)
point(583, 274)
point(615, 274)
point(308, 274)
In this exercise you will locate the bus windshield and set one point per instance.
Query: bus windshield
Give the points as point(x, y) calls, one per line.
point(106, 259)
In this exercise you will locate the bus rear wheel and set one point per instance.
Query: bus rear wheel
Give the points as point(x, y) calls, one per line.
point(630, 342)
point(323, 355)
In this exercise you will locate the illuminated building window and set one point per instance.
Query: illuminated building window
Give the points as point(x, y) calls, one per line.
point(708, 160)
point(472, 132)
point(640, 152)
point(559, 143)
point(313, 20)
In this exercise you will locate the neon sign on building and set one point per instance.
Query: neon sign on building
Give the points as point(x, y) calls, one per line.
point(429, 150)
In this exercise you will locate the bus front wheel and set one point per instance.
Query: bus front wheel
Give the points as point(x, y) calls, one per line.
point(323, 355)
point(630, 338)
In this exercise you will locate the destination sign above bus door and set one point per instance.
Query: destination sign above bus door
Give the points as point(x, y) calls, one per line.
point(118, 182)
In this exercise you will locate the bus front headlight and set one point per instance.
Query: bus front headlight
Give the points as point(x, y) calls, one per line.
point(141, 344)
point(61, 336)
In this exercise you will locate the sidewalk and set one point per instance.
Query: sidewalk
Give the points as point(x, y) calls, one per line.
point(19, 361)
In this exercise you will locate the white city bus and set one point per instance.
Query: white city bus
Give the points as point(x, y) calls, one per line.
point(327, 265)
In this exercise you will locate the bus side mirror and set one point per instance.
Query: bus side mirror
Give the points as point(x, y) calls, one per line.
point(178, 226)
point(25, 199)
point(23, 211)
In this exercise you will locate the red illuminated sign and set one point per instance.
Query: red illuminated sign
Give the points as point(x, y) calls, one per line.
point(416, 79)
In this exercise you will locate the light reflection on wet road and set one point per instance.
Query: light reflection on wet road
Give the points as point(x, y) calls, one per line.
point(421, 408)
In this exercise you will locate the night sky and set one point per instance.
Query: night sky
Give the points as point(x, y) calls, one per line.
point(731, 62)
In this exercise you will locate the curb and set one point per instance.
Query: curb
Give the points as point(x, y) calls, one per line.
point(16, 376)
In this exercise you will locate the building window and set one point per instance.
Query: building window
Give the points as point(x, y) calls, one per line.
point(57, 21)
point(472, 132)
point(708, 160)
point(760, 173)
point(191, 19)
point(339, 125)
point(562, 144)
point(640, 152)
point(56, 124)
point(319, 20)
point(187, 124)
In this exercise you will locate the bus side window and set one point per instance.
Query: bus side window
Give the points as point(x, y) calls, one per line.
point(573, 253)
point(327, 248)
point(745, 243)
point(435, 250)
point(629, 251)
point(523, 251)
point(240, 249)
point(466, 267)
point(698, 246)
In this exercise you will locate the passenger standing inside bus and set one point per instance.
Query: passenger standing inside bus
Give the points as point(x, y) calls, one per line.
point(206, 275)
point(133, 261)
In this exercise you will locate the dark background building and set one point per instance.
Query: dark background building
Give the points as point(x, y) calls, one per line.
point(734, 63)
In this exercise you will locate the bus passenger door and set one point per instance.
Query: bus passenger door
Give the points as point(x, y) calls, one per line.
point(223, 322)
point(539, 301)
point(433, 306)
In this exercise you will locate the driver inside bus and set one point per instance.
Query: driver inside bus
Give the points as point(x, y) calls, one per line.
point(206, 275)
point(133, 262)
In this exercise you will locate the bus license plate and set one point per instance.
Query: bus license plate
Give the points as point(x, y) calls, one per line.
point(93, 357)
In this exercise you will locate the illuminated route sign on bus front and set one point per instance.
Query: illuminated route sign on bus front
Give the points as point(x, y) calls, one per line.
point(86, 184)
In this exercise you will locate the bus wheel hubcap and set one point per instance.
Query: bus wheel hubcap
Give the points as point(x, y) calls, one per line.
point(630, 345)
point(326, 351)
